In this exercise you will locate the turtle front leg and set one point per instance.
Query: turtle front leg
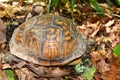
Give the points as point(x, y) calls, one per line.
point(11, 59)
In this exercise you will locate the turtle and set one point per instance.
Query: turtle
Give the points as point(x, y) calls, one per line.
point(48, 40)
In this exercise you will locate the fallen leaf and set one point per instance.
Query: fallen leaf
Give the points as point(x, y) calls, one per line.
point(102, 66)
point(112, 36)
point(95, 32)
point(52, 71)
point(2, 35)
point(5, 66)
point(109, 23)
point(2, 6)
point(25, 74)
point(108, 29)
point(95, 57)
point(3, 76)
point(81, 78)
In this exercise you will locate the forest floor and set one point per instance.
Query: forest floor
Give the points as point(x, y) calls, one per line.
point(104, 31)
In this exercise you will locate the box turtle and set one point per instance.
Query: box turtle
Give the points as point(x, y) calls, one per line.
point(47, 40)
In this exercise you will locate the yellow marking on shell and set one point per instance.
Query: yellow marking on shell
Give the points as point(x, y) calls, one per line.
point(20, 34)
point(40, 22)
point(62, 23)
point(32, 40)
point(68, 38)
point(19, 40)
point(74, 62)
point(33, 44)
point(44, 21)
point(67, 32)
point(32, 30)
point(57, 35)
point(52, 30)
point(19, 37)
point(68, 46)
point(51, 36)
point(57, 31)
point(59, 22)
point(22, 27)
point(65, 26)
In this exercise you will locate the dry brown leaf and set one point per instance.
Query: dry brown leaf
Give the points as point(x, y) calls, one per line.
point(2, 55)
point(6, 66)
point(112, 37)
point(95, 32)
point(96, 27)
point(10, 11)
point(95, 56)
point(110, 75)
point(82, 29)
point(80, 78)
point(90, 29)
point(116, 41)
point(51, 71)
point(2, 6)
point(109, 23)
point(58, 72)
point(102, 66)
point(24, 74)
point(114, 72)
point(2, 35)
point(3, 76)
point(115, 28)
point(108, 29)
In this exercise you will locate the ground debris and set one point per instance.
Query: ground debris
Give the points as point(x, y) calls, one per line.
point(104, 30)
point(2, 35)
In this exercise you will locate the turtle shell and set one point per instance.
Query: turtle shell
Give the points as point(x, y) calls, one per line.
point(47, 40)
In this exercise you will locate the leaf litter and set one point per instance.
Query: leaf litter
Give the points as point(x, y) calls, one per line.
point(105, 32)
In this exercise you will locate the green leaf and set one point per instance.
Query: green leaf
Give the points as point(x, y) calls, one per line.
point(72, 3)
point(117, 2)
point(10, 74)
point(56, 3)
point(95, 5)
point(49, 4)
point(64, 1)
point(117, 50)
point(79, 68)
point(83, 65)
point(108, 3)
point(89, 73)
